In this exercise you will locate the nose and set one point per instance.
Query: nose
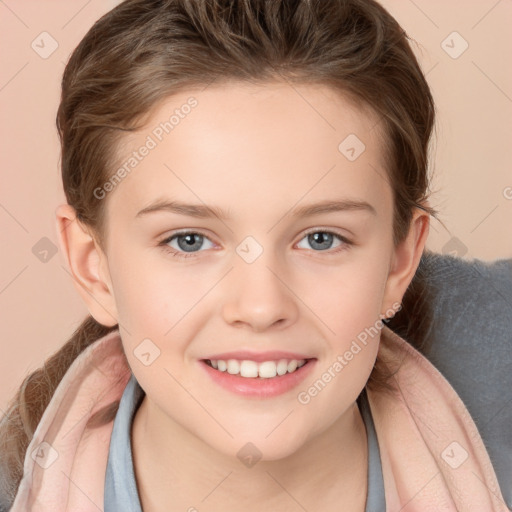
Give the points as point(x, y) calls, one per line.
point(258, 296)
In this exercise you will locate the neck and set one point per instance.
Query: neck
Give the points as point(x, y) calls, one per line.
point(175, 470)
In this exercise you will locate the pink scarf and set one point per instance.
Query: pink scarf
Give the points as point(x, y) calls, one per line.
point(433, 458)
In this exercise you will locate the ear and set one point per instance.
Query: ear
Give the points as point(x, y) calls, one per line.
point(88, 266)
point(405, 260)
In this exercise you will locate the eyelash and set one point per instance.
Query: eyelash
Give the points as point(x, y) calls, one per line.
point(346, 242)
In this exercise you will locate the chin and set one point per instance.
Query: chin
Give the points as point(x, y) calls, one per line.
point(250, 449)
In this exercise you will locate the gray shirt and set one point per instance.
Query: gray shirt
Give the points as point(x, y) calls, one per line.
point(471, 342)
point(472, 347)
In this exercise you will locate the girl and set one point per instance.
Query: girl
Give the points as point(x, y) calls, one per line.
point(247, 203)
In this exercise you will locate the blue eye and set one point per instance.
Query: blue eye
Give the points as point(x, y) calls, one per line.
point(323, 240)
point(187, 242)
point(190, 242)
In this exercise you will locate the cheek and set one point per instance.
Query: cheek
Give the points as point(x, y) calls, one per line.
point(349, 307)
point(348, 297)
point(154, 296)
point(353, 318)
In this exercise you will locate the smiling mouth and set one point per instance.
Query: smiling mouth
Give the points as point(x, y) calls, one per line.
point(259, 371)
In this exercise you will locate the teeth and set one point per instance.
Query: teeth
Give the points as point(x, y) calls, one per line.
point(265, 370)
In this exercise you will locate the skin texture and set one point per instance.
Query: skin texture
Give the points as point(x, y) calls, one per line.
point(258, 151)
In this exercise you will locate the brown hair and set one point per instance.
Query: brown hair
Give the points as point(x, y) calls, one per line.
point(143, 51)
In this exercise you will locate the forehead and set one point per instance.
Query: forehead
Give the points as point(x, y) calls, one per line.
point(255, 140)
point(309, 111)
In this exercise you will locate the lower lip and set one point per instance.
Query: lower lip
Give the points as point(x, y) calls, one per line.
point(258, 387)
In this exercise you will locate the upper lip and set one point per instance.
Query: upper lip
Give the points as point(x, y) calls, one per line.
point(259, 357)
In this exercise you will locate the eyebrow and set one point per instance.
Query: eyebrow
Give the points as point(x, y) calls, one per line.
point(203, 211)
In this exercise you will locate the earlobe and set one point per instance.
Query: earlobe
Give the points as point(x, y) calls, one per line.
point(406, 259)
point(85, 259)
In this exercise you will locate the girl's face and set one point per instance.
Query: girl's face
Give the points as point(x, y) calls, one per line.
point(268, 272)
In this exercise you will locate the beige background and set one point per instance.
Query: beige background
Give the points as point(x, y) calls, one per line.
point(473, 153)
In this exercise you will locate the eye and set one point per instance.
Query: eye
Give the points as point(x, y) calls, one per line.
point(322, 240)
point(187, 242)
